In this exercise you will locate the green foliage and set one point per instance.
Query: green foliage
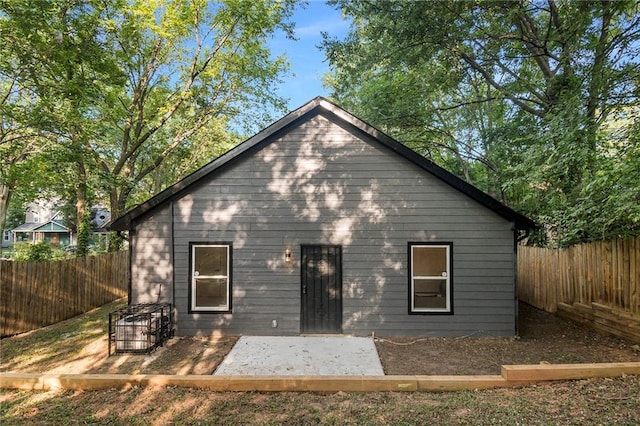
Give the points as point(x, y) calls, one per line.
point(84, 236)
point(193, 68)
point(115, 241)
point(57, 64)
point(37, 252)
point(530, 101)
point(119, 89)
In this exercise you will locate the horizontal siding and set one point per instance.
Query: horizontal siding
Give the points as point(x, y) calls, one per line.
point(151, 259)
point(307, 212)
point(319, 184)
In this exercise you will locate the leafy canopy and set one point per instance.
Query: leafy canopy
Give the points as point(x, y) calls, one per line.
point(131, 95)
point(519, 98)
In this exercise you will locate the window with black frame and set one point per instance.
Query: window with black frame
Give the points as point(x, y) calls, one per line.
point(210, 277)
point(430, 278)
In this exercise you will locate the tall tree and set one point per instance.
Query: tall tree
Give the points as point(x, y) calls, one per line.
point(64, 65)
point(524, 88)
point(190, 65)
point(17, 141)
point(125, 86)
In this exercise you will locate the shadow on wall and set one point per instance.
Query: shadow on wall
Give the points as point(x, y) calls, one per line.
point(314, 185)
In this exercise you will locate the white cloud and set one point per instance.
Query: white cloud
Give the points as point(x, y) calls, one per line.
point(331, 26)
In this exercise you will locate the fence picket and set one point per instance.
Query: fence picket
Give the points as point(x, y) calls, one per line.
point(35, 294)
point(634, 274)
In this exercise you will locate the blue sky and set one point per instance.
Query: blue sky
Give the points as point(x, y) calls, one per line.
point(307, 61)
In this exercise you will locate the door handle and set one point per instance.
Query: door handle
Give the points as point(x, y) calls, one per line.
point(304, 289)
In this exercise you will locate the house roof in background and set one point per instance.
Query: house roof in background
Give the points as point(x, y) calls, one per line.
point(100, 220)
point(319, 106)
point(49, 226)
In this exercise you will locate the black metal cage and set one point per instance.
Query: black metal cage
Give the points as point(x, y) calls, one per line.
point(140, 328)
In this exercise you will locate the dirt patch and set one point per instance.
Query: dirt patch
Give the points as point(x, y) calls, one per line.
point(181, 355)
point(544, 338)
point(80, 345)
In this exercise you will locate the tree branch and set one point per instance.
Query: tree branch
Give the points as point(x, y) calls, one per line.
point(489, 78)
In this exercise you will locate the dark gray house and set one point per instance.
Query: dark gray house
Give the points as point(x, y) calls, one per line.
point(322, 224)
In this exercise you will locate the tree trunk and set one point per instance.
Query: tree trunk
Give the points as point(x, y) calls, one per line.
point(117, 206)
point(83, 225)
point(114, 240)
point(597, 87)
point(5, 197)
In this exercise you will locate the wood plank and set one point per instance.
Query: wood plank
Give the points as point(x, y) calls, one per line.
point(552, 280)
point(618, 274)
point(27, 381)
point(590, 265)
point(49, 282)
point(568, 311)
point(5, 294)
point(564, 307)
point(459, 383)
point(595, 264)
point(13, 302)
point(626, 287)
point(22, 381)
point(32, 320)
point(615, 330)
point(564, 277)
point(545, 372)
point(602, 321)
point(583, 308)
point(321, 383)
point(576, 317)
point(634, 259)
point(608, 280)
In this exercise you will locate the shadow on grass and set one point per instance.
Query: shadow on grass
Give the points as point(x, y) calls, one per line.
point(612, 401)
point(78, 340)
point(80, 345)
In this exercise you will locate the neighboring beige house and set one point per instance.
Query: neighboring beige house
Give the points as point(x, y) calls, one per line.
point(43, 222)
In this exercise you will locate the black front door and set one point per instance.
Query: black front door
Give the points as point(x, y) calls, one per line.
point(321, 279)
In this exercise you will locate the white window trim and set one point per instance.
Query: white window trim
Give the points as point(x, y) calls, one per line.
point(448, 296)
point(192, 280)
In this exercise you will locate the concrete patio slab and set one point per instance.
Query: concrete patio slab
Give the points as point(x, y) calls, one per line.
point(302, 356)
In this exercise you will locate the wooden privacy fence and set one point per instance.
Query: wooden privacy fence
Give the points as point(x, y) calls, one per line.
point(597, 283)
point(36, 294)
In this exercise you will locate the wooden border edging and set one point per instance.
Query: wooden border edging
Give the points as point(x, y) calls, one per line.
point(31, 381)
point(542, 372)
point(512, 375)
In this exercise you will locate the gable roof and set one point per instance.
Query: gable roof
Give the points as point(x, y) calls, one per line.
point(318, 106)
point(49, 226)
